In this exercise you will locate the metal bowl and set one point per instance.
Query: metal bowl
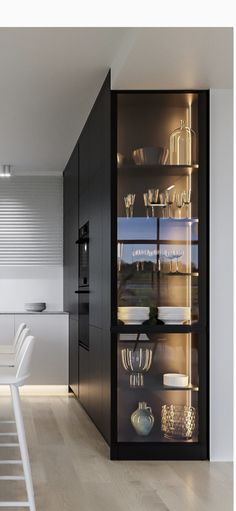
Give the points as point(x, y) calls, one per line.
point(150, 155)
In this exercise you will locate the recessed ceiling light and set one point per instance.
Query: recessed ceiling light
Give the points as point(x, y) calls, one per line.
point(5, 170)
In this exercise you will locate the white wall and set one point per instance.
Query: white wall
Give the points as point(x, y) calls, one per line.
point(31, 242)
point(20, 284)
point(221, 276)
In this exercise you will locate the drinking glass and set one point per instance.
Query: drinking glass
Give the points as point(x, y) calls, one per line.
point(170, 255)
point(153, 198)
point(127, 205)
point(179, 200)
point(177, 255)
point(145, 198)
point(170, 198)
point(162, 198)
point(187, 201)
point(131, 200)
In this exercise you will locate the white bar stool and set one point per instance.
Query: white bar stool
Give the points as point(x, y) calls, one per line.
point(11, 348)
point(10, 359)
point(15, 377)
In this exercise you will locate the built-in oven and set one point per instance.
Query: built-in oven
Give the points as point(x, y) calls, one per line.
point(83, 289)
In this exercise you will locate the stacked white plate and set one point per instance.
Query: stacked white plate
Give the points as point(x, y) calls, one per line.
point(174, 315)
point(133, 315)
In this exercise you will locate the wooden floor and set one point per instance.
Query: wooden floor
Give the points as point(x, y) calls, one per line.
point(72, 471)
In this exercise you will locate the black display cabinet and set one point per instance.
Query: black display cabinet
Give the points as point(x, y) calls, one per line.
point(149, 298)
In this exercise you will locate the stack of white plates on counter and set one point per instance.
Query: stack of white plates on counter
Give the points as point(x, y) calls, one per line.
point(133, 315)
point(174, 315)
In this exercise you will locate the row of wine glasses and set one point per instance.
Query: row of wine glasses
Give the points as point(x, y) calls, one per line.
point(166, 200)
point(155, 256)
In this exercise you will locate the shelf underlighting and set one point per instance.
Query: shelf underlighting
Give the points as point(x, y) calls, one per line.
point(5, 170)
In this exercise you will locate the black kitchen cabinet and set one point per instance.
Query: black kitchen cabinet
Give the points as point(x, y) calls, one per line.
point(74, 356)
point(70, 262)
point(143, 187)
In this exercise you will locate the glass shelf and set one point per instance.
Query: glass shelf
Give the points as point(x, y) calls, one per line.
point(156, 388)
point(157, 170)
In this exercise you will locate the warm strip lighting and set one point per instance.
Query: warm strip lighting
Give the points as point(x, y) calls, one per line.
point(5, 170)
point(170, 187)
point(38, 390)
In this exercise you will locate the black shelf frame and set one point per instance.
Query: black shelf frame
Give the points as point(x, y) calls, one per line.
point(165, 450)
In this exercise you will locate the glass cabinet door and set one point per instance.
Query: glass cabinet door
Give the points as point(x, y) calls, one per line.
point(161, 241)
point(157, 209)
point(158, 387)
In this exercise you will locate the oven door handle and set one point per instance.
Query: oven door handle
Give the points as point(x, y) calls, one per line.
point(82, 291)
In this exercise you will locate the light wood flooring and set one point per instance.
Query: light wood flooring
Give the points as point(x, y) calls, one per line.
point(72, 471)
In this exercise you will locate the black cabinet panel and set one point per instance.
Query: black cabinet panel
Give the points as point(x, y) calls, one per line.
point(71, 234)
point(84, 377)
point(70, 276)
point(95, 376)
point(73, 356)
point(105, 356)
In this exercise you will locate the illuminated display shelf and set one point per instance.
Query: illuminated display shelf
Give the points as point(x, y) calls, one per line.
point(159, 268)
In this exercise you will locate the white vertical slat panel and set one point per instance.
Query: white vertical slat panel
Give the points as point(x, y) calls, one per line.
point(31, 220)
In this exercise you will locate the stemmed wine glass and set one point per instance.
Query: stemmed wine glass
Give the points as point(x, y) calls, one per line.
point(132, 199)
point(177, 255)
point(170, 198)
point(146, 204)
point(187, 201)
point(153, 198)
point(169, 254)
point(129, 204)
point(163, 203)
point(179, 199)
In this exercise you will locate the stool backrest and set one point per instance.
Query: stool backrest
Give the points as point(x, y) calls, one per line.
point(24, 358)
point(21, 339)
point(17, 334)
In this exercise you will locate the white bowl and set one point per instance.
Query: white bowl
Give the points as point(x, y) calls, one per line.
point(175, 380)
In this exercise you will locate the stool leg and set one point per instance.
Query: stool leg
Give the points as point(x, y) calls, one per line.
point(23, 446)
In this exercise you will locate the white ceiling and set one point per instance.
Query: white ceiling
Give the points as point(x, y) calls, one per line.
point(50, 78)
